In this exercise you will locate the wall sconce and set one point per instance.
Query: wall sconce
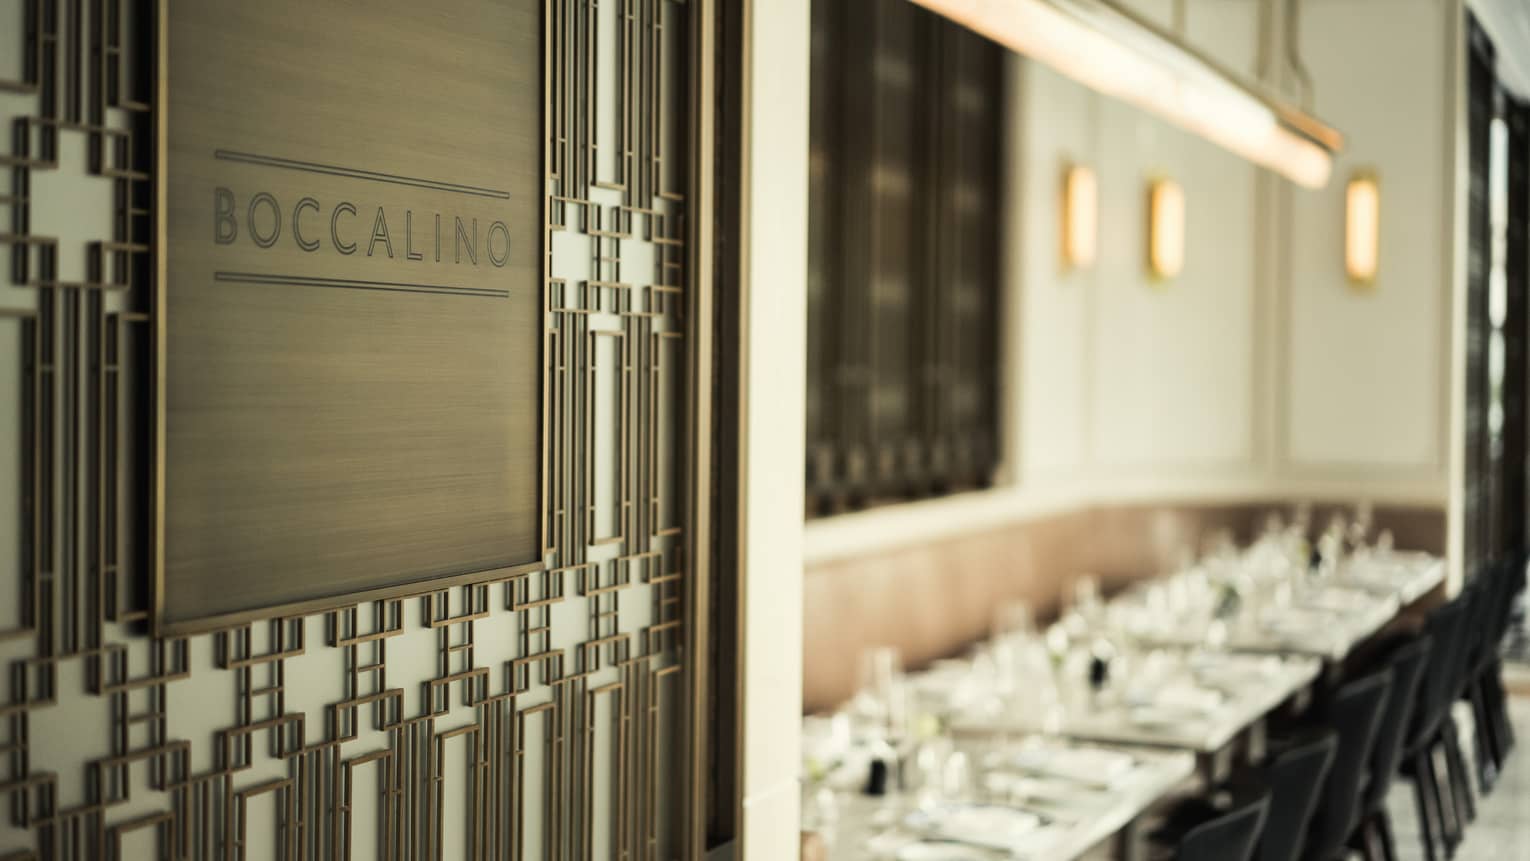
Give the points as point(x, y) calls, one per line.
point(1166, 229)
point(1081, 217)
point(1362, 228)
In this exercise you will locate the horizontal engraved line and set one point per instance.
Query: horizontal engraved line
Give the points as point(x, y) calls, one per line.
point(352, 284)
point(357, 173)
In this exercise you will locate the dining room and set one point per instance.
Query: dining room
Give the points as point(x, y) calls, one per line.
point(1165, 402)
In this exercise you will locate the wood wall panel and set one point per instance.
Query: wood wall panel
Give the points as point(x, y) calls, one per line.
point(934, 600)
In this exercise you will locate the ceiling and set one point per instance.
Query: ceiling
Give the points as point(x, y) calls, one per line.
point(1508, 22)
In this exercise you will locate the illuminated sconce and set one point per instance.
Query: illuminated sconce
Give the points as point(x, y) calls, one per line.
point(1081, 215)
point(1166, 229)
point(1362, 228)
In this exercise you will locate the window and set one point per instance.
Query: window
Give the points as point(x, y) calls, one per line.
point(1498, 217)
point(903, 295)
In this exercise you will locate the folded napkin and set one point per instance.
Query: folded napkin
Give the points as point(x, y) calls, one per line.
point(1298, 621)
point(990, 826)
point(1188, 697)
point(1087, 765)
point(1180, 696)
point(1237, 675)
point(1338, 599)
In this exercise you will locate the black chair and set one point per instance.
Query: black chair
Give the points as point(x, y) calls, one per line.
point(1295, 775)
point(1426, 732)
point(1229, 836)
point(1469, 641)
point(1491, 676)
point(1477, 645)
point(1407, 657)
point(1354, 712)
point(1495, 734)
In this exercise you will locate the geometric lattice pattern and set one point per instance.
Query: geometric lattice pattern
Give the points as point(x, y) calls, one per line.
point(532, 716)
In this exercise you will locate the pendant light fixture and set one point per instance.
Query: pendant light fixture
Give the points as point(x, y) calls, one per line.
point(1111, 49)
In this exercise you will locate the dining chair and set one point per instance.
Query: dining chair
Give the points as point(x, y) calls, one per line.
point(1478, 645)
point(1426, 733)
point(1485, 692)
point(1353, 713)
point(1469, 641)
point(1407, 656)
point(1295, 775)
point(1229, 836)
point(1498, 701)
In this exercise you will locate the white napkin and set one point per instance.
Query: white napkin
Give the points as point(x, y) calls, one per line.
point(1178, 696)
point(1230, 674)
point(1087, 765)
point(1298, 622)
point(991, 826)
point(1338, 599)
point(1188, 697)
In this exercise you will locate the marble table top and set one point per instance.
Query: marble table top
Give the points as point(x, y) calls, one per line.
point(1202, 706)
point(1047, 816)
point(1328, 619)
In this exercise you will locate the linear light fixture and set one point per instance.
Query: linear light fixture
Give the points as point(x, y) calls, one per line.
point(1166, 229)
point(1081, 217)
point(1116, 51)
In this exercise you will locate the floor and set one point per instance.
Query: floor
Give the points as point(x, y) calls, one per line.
point(1502, 827)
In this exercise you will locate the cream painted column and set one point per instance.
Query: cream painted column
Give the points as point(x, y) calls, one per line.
point(775, 171)
point(1459, 133)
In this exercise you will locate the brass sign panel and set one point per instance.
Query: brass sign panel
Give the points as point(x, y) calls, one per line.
point(349, 352)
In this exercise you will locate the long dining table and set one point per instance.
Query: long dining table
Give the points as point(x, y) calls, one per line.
point(1330, 620)
point(1063, 781)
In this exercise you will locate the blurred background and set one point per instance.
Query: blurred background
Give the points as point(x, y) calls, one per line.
point(1111, 305)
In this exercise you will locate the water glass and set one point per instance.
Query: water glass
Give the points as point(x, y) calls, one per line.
point(883, 696)
point(1013, 620)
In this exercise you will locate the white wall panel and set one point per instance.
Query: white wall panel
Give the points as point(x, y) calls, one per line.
point(775, 178)
point(1173, 359)
point(1051, 342)
point(1365, 390)
point(1259, 373)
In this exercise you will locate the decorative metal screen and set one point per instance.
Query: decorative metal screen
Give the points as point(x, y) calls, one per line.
point(903, 294)
point(534, 715)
